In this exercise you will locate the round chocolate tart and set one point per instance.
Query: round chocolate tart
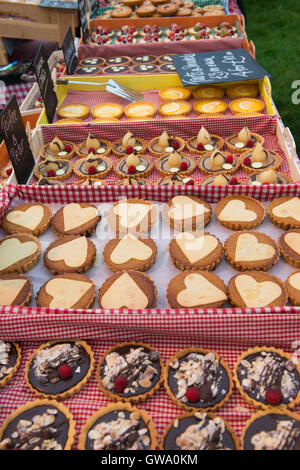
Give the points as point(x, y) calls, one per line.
point(118, 427)
point(144, 59)
point(165, 59)
point(199, 431)
point(27, 218)
point(256, 289)
point(268, 177)
point(76, 219)
point(59, 369)
point(70, 290)
point(143, 167)
point(247, 250)
point(284, 212)
point(15, 289)
point(38, 425)
point(191, 252)
point(167, 68)
point(70, 254)
point(91, 61)
point(196, 289)
point(116, 69)
point(132, 215)
point(198, 379)
point(134, 181)
point(103, 148)
point(240, 212)
point(54, 170)
point(121, 60)
point(176, 180)
point(218, 162)
point(130, 253)
point(187, 213)
point(167, 145)
point(19, 253)
point(88, 70)
point(195, 146)
point(184, 164)
point(268, 160)
point(244, 141)
point(145, 68)
point(289, 246)
point(98, 167)
point(129, 290)
point(10, 360)
point(130, 372)
point(268, 377)
point(293, 288)
point(221, 179)
point(272, 430)
point(58, 149)
point(129, 144)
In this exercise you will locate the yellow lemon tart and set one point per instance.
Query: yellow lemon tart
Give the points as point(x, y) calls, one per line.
point(175, 93)
point(246, 105)
point(242, 91)
point(214, 106)
point(140, 109)
point(107, 111)
point(73, 111)
point(175, 108)
point(207, 92)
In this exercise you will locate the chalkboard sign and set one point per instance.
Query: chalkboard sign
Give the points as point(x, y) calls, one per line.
point(69, 51)
point(217, 66)
point(71, 5)
point(14, 134)
point(83, 19)
point(45, 82)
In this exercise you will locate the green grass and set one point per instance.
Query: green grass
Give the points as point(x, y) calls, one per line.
point(273, 26)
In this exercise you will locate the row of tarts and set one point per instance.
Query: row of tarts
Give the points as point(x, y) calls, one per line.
point(199, 381)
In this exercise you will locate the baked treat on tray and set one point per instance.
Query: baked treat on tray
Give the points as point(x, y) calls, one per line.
point(293, 288)
point(284, 211)
point(199, 431)
point(240, 212)
point(38, 425)
point(15, 289)
point(70, 254)
point(272, 429)
point(246, 105)
point(10, 360)
point(268, 177)
point(187, 213)
point(93, 145)
point(206, 92)
point(167, 68)
point(165, 59)
point(165, 143)
point(59, 369)
point(175, 108)
point(289, 246)
point(118, 426)
point(117, 69)
point(130, 372)
point(140, 109)
point(248, 250)
point(176, 180)
point(120, 60)
point(260, 159)
point(132, 215)
point(218, 161)
point(27, 218)
point(88, 70)
point(212, 107)
point(144, 68)
point(176, 162)
point(133, 164)
point(128, 144)
point(266, 377)
point(129, 290)
point(174, 93)
point(19, 253)
point(144, 59)
point(91, 61)
point(256, 289)
point(130, 253)
point(198, 379)
point(93, 165)
point(134, 181)
point(58, 169)
point(76, 219)
point(204, 142)
point(58, 149)
point(89, 182)
point(243, 141)
point(221, 179)
point(192, 252)
point(73, 110)
point(107, 110)
point(242, 90)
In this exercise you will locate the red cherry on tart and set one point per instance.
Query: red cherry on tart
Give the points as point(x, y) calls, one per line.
point(92, 170)
point(192, 394)
point(51, 173)
point(131, 169)
point(175, 144)
point(91, 150)
point(65, 371)
point(68, 148)
point(250, 143)
point(247, 161)
point(183, 166)
point(9, 171)
point(229, 159)
point(273, 396)
point(200, 147)
point(129, 149)
point(120, 384)
point(233, 180)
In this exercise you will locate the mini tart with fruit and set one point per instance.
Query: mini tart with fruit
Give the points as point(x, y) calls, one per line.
point(118, 426)
point(175, 93)
point(218, 162)
point(60, 368)
point(130, 372)
point(19, 253)
point(175, 108)
point(239, 212)
point(10, 354)
point(150, 30)
point(176, 162)
point(187, 213)
point(128, 144)
point(289, 243)
point(204, 142)
point(73, 110)
point(293, 288)
point(199, 431)
point(107, 110)
point(243, 141)
point(29, 217)
point(89, 182)
point(268, 177)
point(266, 377)
point(165, 143)
point(38, 425)
point(260, 159)
point(174, 30)
point(140, 109)
point(134, 181)
point(176, 180)
point(95, 166)
point(93, 145)
point(133, 165)
point(243, 90)
point(212, 107)
point(53, 169)
point(221, 179)
point(58, 149)
point(198, 379)
point(284, 212)
point(225, 30)
point(246, 105)
point(208, 92)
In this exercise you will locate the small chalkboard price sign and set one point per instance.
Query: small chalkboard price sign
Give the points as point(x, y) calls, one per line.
point(45, 82)
point(14, 134)
point(83, 20)
point(67, 5)
point(217, 67)
point(69, 51)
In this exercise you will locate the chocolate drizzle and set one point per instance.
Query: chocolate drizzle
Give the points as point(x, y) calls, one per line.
point(98, 161)
point(60, 164)
point(164, 163)
point(122, 167)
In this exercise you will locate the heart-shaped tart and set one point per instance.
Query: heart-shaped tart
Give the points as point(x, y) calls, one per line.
point(19, 253)
point(129, 289)
point(189, 251)
point(289, 246)
point(293, 288)
point(10, 354)
point(187, 213)
point(70, 254)
point(247, 250)
point(256, 289)
point(76, 219)
point(15, 289)
point(284, 212)
point(240, 212)
point(27, 218)
point(132, 215)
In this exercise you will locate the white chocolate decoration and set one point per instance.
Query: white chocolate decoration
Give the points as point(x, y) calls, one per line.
point(163, 141)
point(199, 291)
point(72, 253)
point(10, 289)
point(124, 293)
point(174, 160)
point(74, 215)
point(56, 146)
point(259, 154)
point(133, 160)
point(257, 294)
point(293, 240)
point(235, 210)
point(294, 281)
point(12, 251)
point(203, 136)
point(248, 248)
point(195, 248)
point(30, 218)
point(128, 248)
point(128, 140)
point(131, 215)
point(184, 207)
point(66, 292)
point(289, 208)
point(244, 135)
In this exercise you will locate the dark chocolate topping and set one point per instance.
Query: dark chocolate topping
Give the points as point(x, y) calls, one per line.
point(205, 163)
point(122, 167)
point(98, 161)
point(165, 166)
point(60, 166)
